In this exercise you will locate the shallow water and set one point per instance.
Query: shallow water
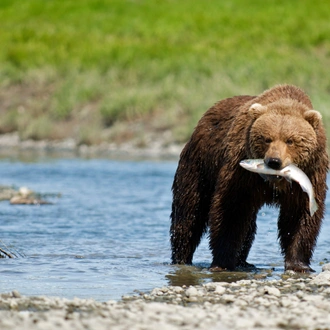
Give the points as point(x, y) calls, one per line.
point(108, 233)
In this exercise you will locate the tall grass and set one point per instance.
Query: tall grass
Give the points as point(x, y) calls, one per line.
point(161, 62)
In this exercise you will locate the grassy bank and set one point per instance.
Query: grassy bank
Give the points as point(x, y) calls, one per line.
point(111, 70)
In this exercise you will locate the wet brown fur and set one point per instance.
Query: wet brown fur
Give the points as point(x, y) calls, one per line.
point(210, 189)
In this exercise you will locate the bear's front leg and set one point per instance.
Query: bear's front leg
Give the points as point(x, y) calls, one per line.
point(232, 229)
point(298, 233)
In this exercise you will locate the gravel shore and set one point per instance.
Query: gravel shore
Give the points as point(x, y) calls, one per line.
point(293, 302)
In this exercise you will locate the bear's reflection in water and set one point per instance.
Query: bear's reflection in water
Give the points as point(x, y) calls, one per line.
point(201, 274)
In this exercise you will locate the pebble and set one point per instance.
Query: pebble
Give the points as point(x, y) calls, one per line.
point(322, 278)
point(219, 289)
point(290, 303)
point(326, 267)
point(271, 291)
point(191, 292)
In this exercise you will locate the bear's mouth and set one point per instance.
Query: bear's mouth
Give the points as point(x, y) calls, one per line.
point(271, 178)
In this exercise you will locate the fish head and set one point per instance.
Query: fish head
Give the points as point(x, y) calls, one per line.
point(252, 163)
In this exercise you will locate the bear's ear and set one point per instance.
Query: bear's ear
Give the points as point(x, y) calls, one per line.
point(313, 117)
point(256, 110)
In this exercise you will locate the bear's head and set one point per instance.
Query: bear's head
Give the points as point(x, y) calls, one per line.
point(283, 132)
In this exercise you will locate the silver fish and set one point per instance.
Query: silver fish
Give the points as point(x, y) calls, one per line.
point(290, 172)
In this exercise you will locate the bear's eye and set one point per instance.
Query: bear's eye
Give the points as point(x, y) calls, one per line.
point(289, 142)
point(268, 140)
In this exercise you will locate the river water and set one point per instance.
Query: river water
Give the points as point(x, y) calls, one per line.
point(107, 235)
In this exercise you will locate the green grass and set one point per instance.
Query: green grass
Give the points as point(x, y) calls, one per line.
point(86, 67)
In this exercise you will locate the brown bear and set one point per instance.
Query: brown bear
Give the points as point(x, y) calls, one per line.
point(210, 189)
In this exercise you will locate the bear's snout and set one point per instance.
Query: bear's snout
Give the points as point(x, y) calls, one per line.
point(274, 163)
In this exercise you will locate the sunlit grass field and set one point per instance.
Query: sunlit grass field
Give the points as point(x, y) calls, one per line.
point(99, 70)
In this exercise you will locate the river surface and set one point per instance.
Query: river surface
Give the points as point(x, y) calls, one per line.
point(107, 235)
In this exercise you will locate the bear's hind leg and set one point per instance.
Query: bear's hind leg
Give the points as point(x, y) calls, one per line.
point(190, 208)
point(189, 223)
point(185, 237)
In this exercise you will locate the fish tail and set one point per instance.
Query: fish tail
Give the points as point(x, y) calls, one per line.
point(313, 207)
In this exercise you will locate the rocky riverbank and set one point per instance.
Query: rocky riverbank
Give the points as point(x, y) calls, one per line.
point(154, 147)
point(293, 302)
